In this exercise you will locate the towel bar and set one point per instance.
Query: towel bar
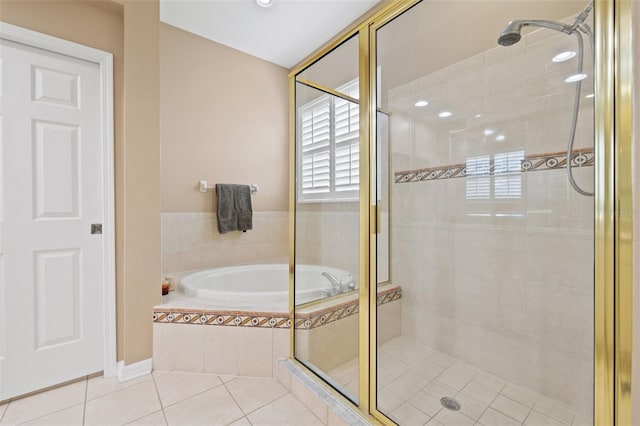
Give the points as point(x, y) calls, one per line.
point(204, 187)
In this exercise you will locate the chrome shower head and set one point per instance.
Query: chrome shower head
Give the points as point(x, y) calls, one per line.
point(511, 33)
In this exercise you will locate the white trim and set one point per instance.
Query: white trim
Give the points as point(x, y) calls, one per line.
point(137, 369)
point(105, 61)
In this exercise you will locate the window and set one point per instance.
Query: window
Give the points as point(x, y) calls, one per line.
point(328, 148)
point(503, 184)
point(478, 179)
point(507, 179)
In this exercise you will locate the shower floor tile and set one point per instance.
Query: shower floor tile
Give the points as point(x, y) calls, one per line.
point(412, 378)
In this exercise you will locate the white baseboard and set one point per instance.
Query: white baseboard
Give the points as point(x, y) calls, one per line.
point(137, 369)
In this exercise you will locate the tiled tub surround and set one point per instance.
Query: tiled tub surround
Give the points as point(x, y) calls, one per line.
point(327, 234)
point(190, 337)
point(191, 242)
point(503, 283)
point(327, 333)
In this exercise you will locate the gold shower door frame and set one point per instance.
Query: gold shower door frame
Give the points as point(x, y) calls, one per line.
point(613, 223)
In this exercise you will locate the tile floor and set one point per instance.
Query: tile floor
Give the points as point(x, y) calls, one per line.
point(163, 398)
point(412, 378)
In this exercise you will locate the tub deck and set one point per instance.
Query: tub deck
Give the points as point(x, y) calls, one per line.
point(182, 309)
point(248, 342)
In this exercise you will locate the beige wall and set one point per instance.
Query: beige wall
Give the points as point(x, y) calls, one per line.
point(224, 119)
point(141, 157)
point(129, 31)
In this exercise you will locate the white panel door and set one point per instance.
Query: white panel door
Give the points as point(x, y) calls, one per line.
point(51, 271)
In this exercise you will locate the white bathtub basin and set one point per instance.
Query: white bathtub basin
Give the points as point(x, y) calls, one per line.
point(259, 287)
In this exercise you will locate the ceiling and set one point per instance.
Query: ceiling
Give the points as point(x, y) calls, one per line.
point(284, 33)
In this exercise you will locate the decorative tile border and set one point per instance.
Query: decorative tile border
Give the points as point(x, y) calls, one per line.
point(556, 160)
point(324, 316)
point(305, 321)
point(209, 317)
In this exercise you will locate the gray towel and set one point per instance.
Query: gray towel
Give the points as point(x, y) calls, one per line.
point(244, 211)
point(227, 217)
point(234, 208)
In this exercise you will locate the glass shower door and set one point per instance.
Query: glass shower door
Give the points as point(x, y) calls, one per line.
point(327, 218)
point(491, 246)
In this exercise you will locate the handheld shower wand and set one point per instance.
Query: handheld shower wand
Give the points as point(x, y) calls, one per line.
point(511, 34)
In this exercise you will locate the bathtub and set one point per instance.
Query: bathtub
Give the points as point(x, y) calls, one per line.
point(263, 287)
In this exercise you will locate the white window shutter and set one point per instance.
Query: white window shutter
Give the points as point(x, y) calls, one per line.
point(507, 183)
point(478, 183)
point(329, 147)
point(347, 146)
point(507, 177)
point(315, 144)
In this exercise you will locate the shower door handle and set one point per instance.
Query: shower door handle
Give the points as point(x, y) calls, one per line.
point(375, 224)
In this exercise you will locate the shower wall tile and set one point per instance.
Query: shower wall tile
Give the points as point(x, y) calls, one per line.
point(190, 241)
point(509, 294)
point(328, 238)
point(501, 298)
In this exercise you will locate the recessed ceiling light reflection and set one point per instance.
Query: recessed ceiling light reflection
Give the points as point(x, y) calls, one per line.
point(445, 114)
point(421, 103)
point(264, 3)
point(500, 138)
point(564, 56)
point(590, 96)
point(575, 77)
point(477, 116)
point(489, 132)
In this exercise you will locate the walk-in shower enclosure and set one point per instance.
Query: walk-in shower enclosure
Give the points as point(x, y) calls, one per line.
point(430, 147)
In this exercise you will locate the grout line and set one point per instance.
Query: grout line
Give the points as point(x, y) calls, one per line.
point(84, 406)
point(434, 379)
point(233, 398)
point(487, 408)
point(309, 409)
point(5, 410)
point(44, 392)
point(528, 414)
point(27, 421)
point(190, 396)
point(263, 405)
point(48, 388)
point(268, 403)
point(140, 418)
point(155, 385)
point(511, 399)
point(237, 420)
point(499, 392)
point(131, 383)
